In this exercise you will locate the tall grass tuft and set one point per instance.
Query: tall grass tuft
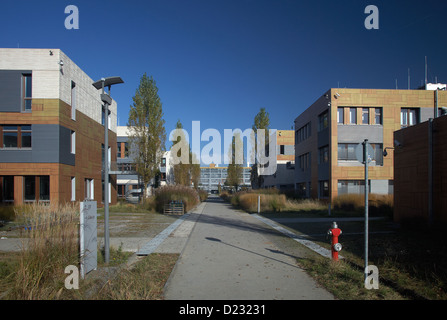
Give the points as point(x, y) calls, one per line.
point(381, 204)
point(189, 196)
point(50, 245)
point(270, 200)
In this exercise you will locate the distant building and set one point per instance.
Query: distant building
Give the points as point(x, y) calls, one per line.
point(125, 169)
point(51, 130)
point(420, 171)
point(212, 177)
point(328, 132)
point(283, 178)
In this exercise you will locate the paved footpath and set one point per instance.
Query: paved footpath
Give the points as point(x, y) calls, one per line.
point(228, 257)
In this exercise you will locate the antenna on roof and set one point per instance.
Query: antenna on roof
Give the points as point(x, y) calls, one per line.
point(425, 69)
point(408, 78)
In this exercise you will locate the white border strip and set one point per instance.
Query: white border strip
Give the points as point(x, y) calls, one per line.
point(309, 244)
point(150, 247)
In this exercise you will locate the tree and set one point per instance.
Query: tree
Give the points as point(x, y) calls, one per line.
point(235, 170)
point(261, 121)
point(188, 169)
point(147, 135)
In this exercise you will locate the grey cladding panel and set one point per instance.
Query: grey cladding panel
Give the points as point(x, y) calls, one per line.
point(11, 90)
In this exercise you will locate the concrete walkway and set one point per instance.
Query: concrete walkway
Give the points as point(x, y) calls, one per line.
point(228, 257)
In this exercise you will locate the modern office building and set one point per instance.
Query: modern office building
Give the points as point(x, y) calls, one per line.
point(420, 172)
point(51, 130)
point(212, 177)
point(283, 178)
point(329, 131)
point(124, 168)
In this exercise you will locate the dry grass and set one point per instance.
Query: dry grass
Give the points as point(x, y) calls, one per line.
point(143, 282)
point(378, 203)
point(51, 245)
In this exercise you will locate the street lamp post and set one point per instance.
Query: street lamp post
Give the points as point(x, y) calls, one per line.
point(107, 101)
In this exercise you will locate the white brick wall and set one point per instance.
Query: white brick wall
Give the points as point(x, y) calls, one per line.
point(51, 81)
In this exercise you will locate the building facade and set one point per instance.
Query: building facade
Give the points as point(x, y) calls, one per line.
point(420, 172)
point(329, 131)
point(127, 177)
point(283, 178)
point(212, 177)
point(51, 130)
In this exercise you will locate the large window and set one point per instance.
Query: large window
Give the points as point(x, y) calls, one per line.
point(340, 115)
point(26, 92)
point(303, 133)
point(323, 154)
point(365, 115)
point(346, 151)
point(353, 115)
point(15, 136)
point(304, 161)
point(7, 192)
point(409, 117)
point(44, 188)
point(323, 188)
point(378, 115)
point(323, 121)
point(352, 186)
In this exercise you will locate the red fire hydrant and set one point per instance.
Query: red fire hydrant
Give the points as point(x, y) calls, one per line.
point(335, 232)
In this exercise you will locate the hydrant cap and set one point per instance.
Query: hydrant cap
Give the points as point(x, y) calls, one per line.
point(334, 225)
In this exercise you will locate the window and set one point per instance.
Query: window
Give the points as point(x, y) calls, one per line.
point(73, 142)
point(15, 136)
point(89, 189)
point(340, 115)
point(323, 154)
point(7, 189)
point(323, 188)
point(346, 151)
point(281, 149)
point(352, 186)
point(304, 161)
point(26, 92)
point(73, 189)
point(73, 100)
point(118, 150)
point(10, 136)
point(323, 121)
point(378, 115)
point(25, 136)
point(44, 188)
point(353, 115)
point(163, 162)
point(303, 133)
point(301, 189)
point(365, 115)
point(29, 189)
point(409, 117)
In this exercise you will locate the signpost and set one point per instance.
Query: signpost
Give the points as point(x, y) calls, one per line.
point(88, 237)
point(364, 153)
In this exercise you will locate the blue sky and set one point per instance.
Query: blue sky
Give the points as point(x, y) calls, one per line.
point(220, 61)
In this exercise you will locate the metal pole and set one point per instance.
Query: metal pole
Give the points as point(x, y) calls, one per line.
point(259, 203)
point(106, 181)
point(365, 159)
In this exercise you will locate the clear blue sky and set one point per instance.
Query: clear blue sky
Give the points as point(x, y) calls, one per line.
point(220, 61)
